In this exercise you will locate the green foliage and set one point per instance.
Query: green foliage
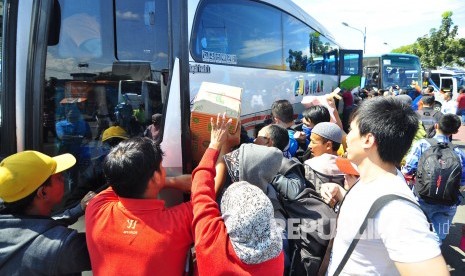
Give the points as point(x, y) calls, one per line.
point(440, 47)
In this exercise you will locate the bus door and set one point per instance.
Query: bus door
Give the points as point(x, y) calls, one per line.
point(113, 51)
point(350, 68)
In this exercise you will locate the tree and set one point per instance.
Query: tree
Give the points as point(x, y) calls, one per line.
point(440, 47)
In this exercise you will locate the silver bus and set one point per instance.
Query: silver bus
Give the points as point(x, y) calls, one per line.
point(59, 57)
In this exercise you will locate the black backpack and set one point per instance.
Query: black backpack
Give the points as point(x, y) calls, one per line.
point(428, 119)
point(438, 174)
point(316, 222)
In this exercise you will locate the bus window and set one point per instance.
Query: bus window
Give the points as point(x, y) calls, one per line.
point(81, 34)
point(320, 59)
point(295, 43)
point(90, 85)
point(244, 33)
point(435, 78)
point(330, 64)
point(447, 84)
point(350, 66)
point(141, 31)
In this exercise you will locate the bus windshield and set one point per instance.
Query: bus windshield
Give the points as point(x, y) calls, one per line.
point(400, 70)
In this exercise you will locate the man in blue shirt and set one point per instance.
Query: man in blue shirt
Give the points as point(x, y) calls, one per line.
point(440, 215)
point(283, 115)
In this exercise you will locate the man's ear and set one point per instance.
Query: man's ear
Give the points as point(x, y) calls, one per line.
point(41, 193)
point(368, 140)
point(157, 178)
point(329, 145)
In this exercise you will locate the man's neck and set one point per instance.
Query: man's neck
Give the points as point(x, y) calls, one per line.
point(284, 125)
point(372, 168)
point(439, 132)
point(38, 210)
point(152, 191)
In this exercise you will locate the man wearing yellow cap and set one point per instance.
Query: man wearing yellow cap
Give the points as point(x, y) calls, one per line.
point(31, 242)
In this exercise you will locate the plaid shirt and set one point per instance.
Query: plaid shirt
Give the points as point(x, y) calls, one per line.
point(421, 146)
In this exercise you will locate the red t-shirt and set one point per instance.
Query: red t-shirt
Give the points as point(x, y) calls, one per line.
point(461, 101)
point(347, 98)
point(137, 236)
point(214, 252)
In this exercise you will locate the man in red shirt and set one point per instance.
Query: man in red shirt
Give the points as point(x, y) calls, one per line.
point(129, 231)
point(461, 105)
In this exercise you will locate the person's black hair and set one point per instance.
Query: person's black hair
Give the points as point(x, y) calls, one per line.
point(279, 136)
point(130, 165)
point(335, 145)
point(20, 207)
point(112, 142)
point(283, 110)
point(392, 123)
point(428, 100)
point(316, 114)
point(449, 124)
point(430, 89)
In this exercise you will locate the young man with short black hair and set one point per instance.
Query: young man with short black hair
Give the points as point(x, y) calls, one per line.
point(382, 130)
point(440, 215)
point(128, 224)
point(283, 115)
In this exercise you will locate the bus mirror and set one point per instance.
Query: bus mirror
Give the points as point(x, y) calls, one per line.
point(54, 24)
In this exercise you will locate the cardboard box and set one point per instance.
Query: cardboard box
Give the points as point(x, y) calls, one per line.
point(212, 98)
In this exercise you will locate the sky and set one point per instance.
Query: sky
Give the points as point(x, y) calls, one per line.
point(389, 24)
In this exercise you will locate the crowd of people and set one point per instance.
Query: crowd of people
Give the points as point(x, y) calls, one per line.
point(341, 182)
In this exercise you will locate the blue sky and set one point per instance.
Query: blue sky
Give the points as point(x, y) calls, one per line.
point(395, 22)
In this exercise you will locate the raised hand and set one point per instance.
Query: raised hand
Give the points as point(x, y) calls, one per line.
point(219, 133)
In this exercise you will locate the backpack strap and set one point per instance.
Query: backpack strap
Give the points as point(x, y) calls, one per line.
point(288, 164)
point(433, 141)
point(374, 209)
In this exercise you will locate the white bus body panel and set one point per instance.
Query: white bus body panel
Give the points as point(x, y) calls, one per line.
point(261, 88)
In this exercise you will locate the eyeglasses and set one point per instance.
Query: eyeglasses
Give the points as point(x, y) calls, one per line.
point(263, 137)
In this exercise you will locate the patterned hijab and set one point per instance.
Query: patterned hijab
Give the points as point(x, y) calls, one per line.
point(248, 215)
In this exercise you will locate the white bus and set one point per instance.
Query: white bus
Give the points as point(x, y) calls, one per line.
point(448, 79)
point(82, 55)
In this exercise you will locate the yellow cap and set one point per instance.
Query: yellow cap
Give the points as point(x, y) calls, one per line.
point(114, 132)
point(22, 173)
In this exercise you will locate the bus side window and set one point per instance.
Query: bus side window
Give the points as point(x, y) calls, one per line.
point(215, 39)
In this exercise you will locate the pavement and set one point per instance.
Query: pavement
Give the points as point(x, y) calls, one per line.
point(455, 257)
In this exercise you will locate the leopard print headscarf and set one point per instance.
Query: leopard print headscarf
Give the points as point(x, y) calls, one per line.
point(248, 215)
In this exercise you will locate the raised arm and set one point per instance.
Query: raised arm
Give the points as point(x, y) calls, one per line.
point(221, 169)
point(181, 182)
point(207, 216)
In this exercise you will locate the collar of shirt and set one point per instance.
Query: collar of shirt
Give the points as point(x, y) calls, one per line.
point(141, 204)
point(441, 138)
